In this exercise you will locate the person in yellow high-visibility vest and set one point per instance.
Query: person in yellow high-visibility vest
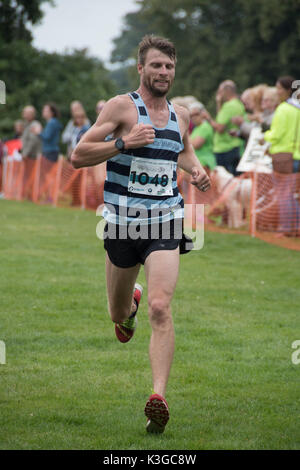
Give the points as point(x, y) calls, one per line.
point(284, 135)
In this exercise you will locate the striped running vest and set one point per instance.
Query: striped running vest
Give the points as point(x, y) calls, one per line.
point(141, 184)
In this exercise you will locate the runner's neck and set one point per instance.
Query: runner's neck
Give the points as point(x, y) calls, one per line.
point(152, 102)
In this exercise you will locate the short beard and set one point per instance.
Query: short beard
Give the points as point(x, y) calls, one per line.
point(154, 91)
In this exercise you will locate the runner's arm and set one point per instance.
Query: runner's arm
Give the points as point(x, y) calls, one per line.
point(188, 161)
point(92, 148)
point(220, 128)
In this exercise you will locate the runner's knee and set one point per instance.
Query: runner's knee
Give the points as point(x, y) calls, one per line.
point(159, 311)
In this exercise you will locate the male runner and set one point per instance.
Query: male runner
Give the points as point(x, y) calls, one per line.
point(150, 137)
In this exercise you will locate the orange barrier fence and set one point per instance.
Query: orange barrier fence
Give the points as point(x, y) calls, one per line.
point(43, 181)
point(267, 206)
point(275, 208)
point(263, 205)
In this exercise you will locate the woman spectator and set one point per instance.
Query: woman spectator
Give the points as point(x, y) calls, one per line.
point(202, 137)
point(284, 139)
point(284, 135)
point(51, 134)
point(252, 97)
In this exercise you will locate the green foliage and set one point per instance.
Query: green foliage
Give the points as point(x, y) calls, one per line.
point(37, 77)
point(69, 384)
point(16, 16)
point(249, 42)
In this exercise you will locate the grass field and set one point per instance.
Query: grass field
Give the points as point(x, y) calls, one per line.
point(69, 384)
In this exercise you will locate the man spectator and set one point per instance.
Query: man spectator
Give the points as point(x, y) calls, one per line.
point(226, 146)
point(31, 144)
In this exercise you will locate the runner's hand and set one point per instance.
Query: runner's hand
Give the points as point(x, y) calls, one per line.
point(139, 136)
point(200, 179)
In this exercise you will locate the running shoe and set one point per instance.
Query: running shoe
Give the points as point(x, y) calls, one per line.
point(157, 412)
point(125, 330)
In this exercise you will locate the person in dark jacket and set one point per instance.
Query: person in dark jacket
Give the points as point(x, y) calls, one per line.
point(50, 135)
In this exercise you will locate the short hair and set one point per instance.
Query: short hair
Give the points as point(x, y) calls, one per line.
point(150, 41)
point(196, 105)
point(228, 85)
point(287, 83)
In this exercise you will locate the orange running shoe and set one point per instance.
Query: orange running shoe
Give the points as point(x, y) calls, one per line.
point(157, 412)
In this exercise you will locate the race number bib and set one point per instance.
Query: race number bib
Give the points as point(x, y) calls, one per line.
point(151, 177)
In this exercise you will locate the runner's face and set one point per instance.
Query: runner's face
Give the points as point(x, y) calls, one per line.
point(158, 73)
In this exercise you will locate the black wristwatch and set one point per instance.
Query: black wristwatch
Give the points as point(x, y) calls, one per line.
point(120, 144)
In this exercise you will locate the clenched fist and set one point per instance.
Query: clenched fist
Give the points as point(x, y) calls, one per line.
point(200, 179)
point(139, 136)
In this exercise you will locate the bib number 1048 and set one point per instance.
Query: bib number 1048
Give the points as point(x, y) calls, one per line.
point(143, 178)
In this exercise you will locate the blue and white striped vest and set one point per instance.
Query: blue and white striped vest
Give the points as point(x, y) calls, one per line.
point(141, 184)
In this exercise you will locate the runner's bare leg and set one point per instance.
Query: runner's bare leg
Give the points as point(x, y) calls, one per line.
point(161, 269)
point(120, 284)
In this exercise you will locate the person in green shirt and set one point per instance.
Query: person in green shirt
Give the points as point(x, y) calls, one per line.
point(227, 146)
point(202, 137)
point(284, 134)
point(284, 137)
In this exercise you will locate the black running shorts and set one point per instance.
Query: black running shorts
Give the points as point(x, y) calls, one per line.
point(126, 252)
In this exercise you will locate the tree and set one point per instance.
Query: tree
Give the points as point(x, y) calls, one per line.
point(249, 42)
point(16, 16)
point(37, 77)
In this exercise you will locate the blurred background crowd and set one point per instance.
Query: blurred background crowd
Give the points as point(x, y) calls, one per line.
point(218, 140)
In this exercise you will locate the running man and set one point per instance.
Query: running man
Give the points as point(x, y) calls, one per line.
point(150, 138)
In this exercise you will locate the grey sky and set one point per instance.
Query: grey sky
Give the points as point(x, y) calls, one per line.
point(82, 23)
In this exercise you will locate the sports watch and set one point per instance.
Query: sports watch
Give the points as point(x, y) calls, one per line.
point(120, 144)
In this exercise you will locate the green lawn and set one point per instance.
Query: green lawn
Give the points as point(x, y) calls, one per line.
point(69, 384)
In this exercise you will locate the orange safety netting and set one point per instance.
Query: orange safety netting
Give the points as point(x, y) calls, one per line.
point(56, 183)
point(275, 208)
point(265, 205)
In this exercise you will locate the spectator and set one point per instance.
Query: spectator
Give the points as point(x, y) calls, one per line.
point(226, 146)
point(247, 100)
point(100, 106)
point(67, 135)
point(80, 127)
point(257, 97)
point(268, 105)
point(252, 99)
point(51, 133)
point(284, 137)
point(18, 131)
point(185, 101)
point(202, 137)
point(31, 144)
